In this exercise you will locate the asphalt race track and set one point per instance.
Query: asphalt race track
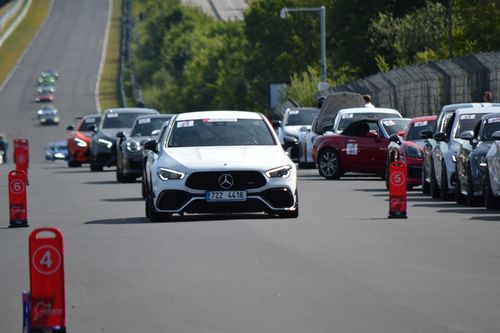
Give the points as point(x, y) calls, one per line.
point(342, 266)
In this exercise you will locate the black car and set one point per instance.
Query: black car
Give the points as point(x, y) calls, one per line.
point(103, 144)
point(48, 115)
point(129, 155)
point(469, 182)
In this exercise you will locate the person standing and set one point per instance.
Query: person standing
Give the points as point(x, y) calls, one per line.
point(368, 101)
point(488, 96)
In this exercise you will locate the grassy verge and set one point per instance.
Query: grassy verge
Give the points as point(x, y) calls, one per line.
point(13, 48)
point(109, 85)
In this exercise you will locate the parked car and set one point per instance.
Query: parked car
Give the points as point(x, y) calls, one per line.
point(448, 142)
point(129, 155)
point(330, 105)
point(428, 172)
point(409, 149)
point(472, 152)
point(103, 144)
point(221, 162)
point(48, 115)
point(57, 150)
point(295, 120)
point(491, 179)
point(79, 138)
point(360, 148)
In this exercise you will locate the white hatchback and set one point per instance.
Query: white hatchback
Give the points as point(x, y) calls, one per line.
point(220, 162)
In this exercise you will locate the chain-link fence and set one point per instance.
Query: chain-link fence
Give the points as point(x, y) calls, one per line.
point(424, 89)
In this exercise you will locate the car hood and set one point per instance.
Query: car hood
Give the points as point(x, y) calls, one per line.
point(295, 130)
point(231, 157)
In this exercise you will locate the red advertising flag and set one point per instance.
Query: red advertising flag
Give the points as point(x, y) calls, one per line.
point(48, 307)
point(21, 155)
point(397, 189)
point(18, 206)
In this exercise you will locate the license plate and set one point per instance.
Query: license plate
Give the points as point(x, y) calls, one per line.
point(215, 196)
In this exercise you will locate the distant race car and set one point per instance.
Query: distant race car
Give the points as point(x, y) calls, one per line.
point(57, 150)
point(44, 96)
point(48, 115)
point(129, 152)
point(409, 149)
point(46, 86)
point(360, 148)
point(49, 76)
point(79, 138)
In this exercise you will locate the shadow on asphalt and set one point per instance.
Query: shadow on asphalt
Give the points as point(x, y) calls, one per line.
point(495, 218)
point(123, 199)
point(187, 218)
point(102, 182)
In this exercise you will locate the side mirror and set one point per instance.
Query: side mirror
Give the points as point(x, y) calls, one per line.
point(441, 136)
point(93, 128)
point(394, 138)
point(120, 135)
point(289, 141)
point(426, 134)
point(401, 133)
point(70, 128)
point(151, 145)
point(467, 135)
point(496, 135)
point(276, 124)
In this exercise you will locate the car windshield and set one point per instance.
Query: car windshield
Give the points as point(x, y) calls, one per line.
point(301, 117)
point(348, 118)
point(120, 120)
point(492, 125)
point(89, 121)
point(220, 132)
point(467, 122)
point(146, 126)
point(394, 126)
point(417, 127)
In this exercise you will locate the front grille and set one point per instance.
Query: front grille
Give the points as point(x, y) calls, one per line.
point(172, 200)
point(414, 171)
point(279, 198)
point(209, 181)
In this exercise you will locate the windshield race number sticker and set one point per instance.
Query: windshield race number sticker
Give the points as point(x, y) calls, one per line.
point(389, 123)
point(351, 149)
point(144, 121)
point(420, 123)
point(89, 120)
point(112, 115)
point(467, 116)
point(347, 116)
point(181, 124)
point(494, 120)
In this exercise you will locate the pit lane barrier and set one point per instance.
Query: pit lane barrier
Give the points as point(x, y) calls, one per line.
point(397, 190)
point(18, 207)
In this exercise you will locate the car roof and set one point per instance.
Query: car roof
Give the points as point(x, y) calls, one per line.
point(152, 116)
point(450, 107)
point(127, 110)
point(197, 115)
point(307, 109)
point(478, 110)
point(368, 110)
point(423, 118)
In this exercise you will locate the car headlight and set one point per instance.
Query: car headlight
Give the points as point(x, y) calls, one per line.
point(133, 146)
point(414, 152)
point(80, 142)
point(281, 172)
point(167, 174)
point(105, 142)
point(59, 155)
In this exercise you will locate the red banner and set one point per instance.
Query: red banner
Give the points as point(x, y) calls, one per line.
point(48, 307)
point(21, 155)
point(397, 189)
point(18, 206)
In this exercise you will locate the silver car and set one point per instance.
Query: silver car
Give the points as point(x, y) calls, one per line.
point(491, 181)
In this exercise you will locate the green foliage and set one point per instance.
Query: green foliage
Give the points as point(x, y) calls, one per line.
point(421, 32)
point(382, 64)
point(304, 87)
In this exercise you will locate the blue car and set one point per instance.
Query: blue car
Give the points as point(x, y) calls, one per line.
point(57, 150)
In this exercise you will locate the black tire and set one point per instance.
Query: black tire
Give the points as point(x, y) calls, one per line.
point(490, 201)
point(74, 164)
point(151, 213)
point(95, 167)
point(471, 199)
point(434, 188)
point(329, 164)
point(119, 175)
point(459, 197)
point(426, 189)
point(444, 183)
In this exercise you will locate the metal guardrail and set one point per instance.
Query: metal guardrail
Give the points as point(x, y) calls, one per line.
point(424, 89)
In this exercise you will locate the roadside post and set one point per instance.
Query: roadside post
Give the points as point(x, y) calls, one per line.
point(397, 190)
point(47, 301)
point(21, 155)
point(18, 207)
